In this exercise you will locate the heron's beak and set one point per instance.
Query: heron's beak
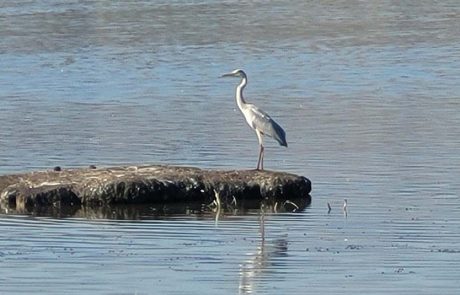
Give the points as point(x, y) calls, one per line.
point(227, 75)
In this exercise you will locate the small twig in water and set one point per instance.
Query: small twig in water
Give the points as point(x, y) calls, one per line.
point(217, 196)
point(293, 204)
point(345, 211)
point(234, 201)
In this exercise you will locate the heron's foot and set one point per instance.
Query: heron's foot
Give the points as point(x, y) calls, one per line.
point(260, 167)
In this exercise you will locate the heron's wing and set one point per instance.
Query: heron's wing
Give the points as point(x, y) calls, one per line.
point(261, 121)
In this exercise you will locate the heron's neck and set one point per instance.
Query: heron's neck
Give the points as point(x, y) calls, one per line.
point(239, 93)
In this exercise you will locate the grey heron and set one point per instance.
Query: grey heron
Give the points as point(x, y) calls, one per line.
point(257, 119)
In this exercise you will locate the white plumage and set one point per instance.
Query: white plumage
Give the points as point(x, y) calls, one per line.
point(256, 118)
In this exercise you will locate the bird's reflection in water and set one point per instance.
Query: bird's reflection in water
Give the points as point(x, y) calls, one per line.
point(260, 261)
point(264, 258)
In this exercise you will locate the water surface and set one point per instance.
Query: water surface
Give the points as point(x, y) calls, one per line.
point(368, 94)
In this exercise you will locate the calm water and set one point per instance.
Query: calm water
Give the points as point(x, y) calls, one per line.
point(368, 92)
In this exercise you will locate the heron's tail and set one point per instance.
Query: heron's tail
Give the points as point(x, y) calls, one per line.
point(279, 134)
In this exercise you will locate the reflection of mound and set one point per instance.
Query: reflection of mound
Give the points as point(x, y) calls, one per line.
point(160, 211)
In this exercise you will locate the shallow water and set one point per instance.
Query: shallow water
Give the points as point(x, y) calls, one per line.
point(368, 94)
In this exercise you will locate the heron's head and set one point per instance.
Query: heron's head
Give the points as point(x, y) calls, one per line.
point(235, 73)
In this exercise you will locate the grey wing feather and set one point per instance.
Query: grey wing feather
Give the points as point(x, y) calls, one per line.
point(265, 124)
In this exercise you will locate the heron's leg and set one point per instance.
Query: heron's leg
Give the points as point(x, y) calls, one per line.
point(262, 160)
point(260, 164)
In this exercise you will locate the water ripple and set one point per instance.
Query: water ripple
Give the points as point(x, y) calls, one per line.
point(368, 95)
